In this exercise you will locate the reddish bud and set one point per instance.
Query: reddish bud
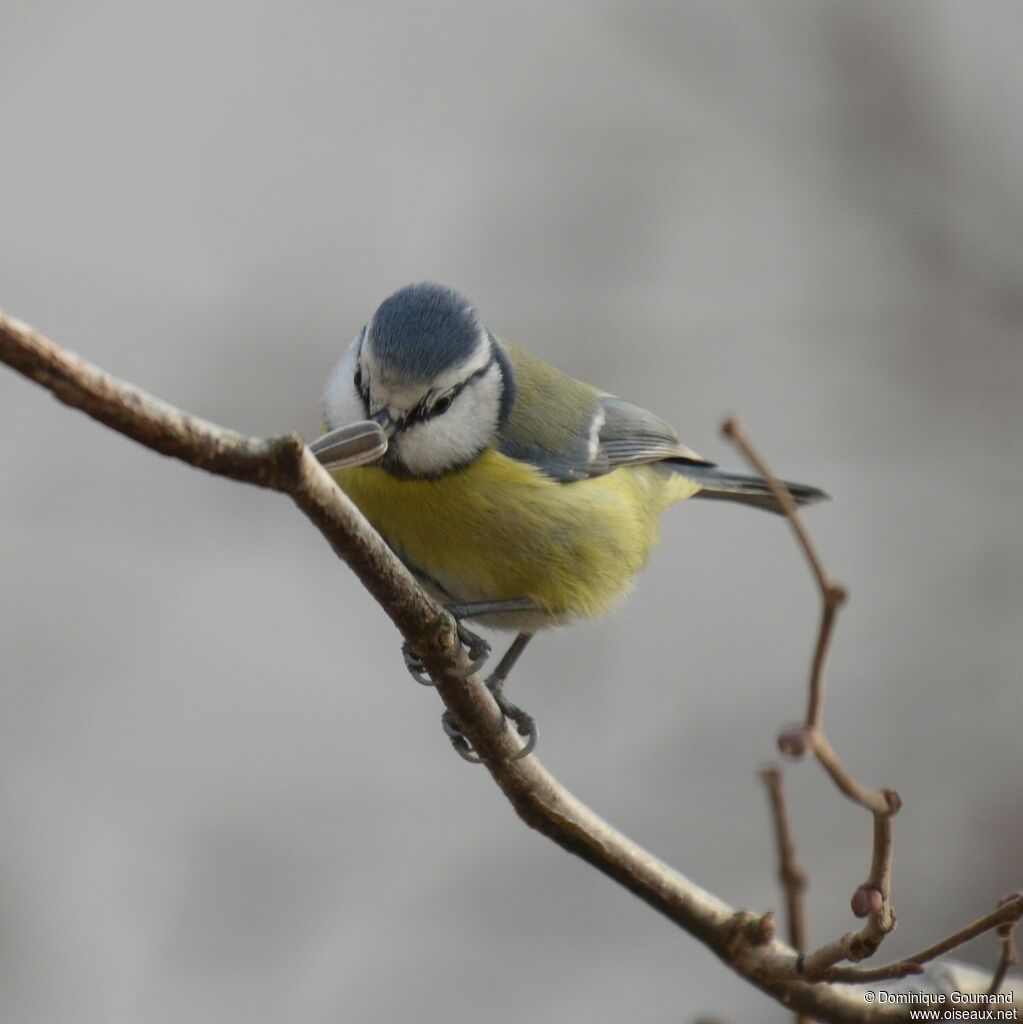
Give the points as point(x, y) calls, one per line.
point(797, 741)
point(866, 900)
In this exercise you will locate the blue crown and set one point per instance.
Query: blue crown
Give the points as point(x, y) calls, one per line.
point(423, 330)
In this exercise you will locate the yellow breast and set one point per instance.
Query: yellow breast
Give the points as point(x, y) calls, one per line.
point(499, 530)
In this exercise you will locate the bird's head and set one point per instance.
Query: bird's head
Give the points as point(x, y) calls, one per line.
point(428, 372)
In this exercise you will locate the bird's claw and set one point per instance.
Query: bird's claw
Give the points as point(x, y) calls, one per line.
point(415, 666)
point(477, 647)
point(525, 726)
point(479, 651)
point(459, 740)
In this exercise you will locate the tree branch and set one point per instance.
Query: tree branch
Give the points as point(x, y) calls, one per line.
point(741, 940)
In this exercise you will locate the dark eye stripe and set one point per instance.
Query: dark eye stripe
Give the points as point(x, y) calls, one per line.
point(360, 385)
point(424, 411)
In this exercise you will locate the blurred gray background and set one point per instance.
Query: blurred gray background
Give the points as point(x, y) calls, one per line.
point(221, 797)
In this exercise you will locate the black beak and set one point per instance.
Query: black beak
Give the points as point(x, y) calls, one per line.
point(383, 420)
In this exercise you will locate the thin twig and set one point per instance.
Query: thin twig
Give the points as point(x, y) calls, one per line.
point(834, 598)
point(1007, 913)
point(874, 800)
point(833, 594)
point(1007, 955)
point(872, 898)
point(734, 429)
point(791, 876)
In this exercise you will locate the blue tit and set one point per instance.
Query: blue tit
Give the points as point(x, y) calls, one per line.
point(518, 496)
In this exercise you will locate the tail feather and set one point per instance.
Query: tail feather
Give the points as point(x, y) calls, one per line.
point(721, 485)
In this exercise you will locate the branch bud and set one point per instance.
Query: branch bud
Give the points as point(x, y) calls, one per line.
point(797, 741)
point(893, 800)
point(866, 900)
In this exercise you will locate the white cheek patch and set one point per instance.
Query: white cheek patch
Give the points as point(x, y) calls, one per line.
point(457, 436)
point(342, 404)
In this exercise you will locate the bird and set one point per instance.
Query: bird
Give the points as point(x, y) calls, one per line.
point(518, 496)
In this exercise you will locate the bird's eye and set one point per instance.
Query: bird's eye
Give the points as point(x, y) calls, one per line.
point(358, 378)
point(441, 405)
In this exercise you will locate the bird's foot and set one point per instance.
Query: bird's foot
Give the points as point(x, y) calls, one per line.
point(479, 651)
point(415, 666)
point(525, 726)
point(478, 648)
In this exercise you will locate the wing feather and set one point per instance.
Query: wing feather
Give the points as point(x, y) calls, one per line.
point(571, 431)
point(632, 435)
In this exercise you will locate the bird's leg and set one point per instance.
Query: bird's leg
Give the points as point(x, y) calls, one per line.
point(497, 678)
point(479, 649)
point(525, 723)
